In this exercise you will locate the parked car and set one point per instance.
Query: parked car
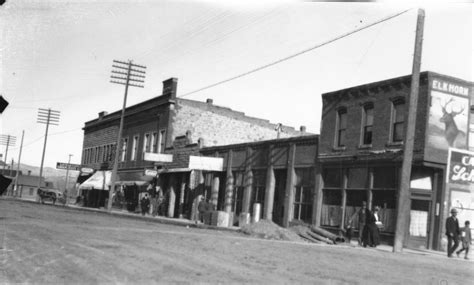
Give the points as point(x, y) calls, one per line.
point(49, 194)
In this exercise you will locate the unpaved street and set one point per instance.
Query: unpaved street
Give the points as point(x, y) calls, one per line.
point(51, 244)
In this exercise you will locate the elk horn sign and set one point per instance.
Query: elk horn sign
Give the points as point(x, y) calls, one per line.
point(451, 130)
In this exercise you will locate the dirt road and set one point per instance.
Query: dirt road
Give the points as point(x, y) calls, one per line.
point(50, 244)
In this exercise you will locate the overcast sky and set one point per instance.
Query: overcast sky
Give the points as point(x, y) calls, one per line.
point(58, 54)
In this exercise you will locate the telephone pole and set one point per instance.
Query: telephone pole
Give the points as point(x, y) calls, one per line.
point(67, 172)
point(128, 74)
point(7, 141)
point(404, 201)
point(18, 164)
point(47, 117)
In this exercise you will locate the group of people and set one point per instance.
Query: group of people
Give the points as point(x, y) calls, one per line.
point(456, 234)
point(154, 198)
point(369, 226)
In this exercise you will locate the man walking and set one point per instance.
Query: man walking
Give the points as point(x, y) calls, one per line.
point(452, 232)
point(362, 214)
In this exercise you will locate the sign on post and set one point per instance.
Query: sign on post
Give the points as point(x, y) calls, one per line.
point(151, 172)
point(70, 166)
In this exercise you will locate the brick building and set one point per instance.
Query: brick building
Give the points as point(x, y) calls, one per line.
point(361, 149)
point(152, 127)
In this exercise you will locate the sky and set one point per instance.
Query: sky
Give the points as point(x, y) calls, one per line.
point(58, 55)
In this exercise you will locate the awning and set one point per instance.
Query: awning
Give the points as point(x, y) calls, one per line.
point(174, 170)
point(100, 180)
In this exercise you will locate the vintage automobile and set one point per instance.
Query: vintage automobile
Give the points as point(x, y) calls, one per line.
point(49, 194)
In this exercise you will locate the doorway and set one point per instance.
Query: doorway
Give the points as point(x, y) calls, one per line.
point(418, 234)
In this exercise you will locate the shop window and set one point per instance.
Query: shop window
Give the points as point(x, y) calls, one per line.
point(357, 178)
point(386, 177)
point(32, 190)
point(341, 127)
point(332, 177)
point(398, 120)
point(331, 212)
point(387, 201)
point(303, 203)
point(367, 123)
point(354, 199)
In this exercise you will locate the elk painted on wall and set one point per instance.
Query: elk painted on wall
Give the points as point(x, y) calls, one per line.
point(451, 131)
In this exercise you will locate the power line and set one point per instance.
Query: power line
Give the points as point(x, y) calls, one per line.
point(296, 54)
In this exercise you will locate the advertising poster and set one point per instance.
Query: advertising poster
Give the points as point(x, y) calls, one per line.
point(448, 121)
point(460, 180)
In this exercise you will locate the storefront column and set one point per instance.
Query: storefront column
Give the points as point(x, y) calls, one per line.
point(290, 182)
point(181, 196)
point(229, 186)
point(371, 186)
point(172, 196)
point(318, 195)
point(247, 184)
point(215, 191)
point(269, 187)
point(344, 198)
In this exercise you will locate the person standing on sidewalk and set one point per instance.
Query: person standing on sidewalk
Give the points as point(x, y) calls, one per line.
point(145, 204)
point(466, 239)
point(452, 232)
point(362, 216)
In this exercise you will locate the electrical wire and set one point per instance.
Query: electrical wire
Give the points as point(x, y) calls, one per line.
point(295, 54)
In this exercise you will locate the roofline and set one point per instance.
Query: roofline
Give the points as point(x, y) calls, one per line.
point(400, 79)
point(258, 143)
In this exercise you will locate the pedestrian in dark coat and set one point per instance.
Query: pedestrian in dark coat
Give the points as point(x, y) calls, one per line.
point(371, 235)
point(452, 232)
point(145, 204)
point(362, 215)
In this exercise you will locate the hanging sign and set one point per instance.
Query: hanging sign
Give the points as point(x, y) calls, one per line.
point(460, 167)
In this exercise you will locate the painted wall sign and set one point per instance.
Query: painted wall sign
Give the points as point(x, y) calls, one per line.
point(206, 163)
point(448, 119)
point(460, 167)
point(158, 157)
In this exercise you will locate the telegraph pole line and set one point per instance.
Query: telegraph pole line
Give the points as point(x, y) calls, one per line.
point(18, 164)
point(404, 201)
point(6, 140)
point(47, 117)
point(127, 74)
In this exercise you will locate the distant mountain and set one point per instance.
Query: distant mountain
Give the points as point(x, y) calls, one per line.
point(57, 176)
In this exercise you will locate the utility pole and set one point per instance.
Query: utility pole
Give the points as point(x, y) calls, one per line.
point(404, 201)
point(127, 74)
point(47, 117)
point(18, 164)
point(7, 141)
point(67, 172)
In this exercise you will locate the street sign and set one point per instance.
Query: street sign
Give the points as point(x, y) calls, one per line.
point(70, 166)
point(158, 157)
point(87, 170)
point(151, 172)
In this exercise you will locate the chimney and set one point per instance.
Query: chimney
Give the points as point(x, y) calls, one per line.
point(29, 172)
point(303, 129)
point(209, 101)
point(102, 115)
point(170, 86)
point(189, 139)
point(200, 142)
